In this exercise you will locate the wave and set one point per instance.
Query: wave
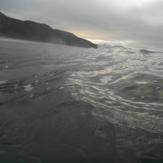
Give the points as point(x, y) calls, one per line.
point(106, 45)
point(118, 46)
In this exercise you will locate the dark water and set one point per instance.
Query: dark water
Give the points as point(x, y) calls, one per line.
point(65, 104)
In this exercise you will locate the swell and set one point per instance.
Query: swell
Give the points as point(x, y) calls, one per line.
point(125, 87)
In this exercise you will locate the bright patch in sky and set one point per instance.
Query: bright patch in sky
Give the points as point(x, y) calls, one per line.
point(141, 2)
point(129, 3)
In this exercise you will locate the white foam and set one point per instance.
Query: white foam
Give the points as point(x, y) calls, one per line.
point(48, 88)
point(101, 92)
point(142, 97)
point(3, 82)
point(31, 96)
point(106, 79)
point(28, 87)
point(158, 88)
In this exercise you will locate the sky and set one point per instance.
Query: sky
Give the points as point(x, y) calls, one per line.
point(136, 23)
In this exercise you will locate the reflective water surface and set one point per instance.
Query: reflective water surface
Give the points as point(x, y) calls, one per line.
point(68, 104)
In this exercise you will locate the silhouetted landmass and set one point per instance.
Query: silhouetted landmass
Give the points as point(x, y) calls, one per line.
point(29, 30)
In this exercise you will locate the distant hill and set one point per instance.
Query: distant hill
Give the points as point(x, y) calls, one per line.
point(29, 30)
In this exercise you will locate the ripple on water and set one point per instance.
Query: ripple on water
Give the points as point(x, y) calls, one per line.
point(133, 100)
point(139, 87)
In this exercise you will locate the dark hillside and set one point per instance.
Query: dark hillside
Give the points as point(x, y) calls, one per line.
point(29, 30)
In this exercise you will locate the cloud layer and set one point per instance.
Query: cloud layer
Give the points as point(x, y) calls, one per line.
point(127, 21)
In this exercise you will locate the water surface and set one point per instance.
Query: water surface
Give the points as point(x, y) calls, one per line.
point(69, 104)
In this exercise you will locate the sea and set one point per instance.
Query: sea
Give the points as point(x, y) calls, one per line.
point(63, 104)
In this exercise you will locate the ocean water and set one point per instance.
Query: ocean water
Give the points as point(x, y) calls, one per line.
point(61, 104)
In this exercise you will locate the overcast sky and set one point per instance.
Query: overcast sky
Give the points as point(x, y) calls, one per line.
point(130, 22)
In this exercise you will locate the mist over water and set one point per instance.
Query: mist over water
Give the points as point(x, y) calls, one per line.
point(69, 104)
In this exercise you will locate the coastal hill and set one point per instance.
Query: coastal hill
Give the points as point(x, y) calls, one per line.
point(29, 30)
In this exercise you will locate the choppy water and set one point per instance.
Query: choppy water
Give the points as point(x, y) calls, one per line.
point(68, 104)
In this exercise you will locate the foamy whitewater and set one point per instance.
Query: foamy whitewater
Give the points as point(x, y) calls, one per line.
point(68, 104)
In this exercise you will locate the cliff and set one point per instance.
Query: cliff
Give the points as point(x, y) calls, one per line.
point(29, 30)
